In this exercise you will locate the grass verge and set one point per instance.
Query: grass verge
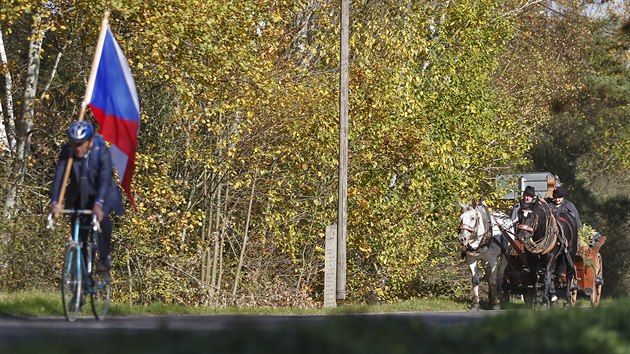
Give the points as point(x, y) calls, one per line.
point(45, 304)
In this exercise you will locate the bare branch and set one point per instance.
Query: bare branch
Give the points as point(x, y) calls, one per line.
point(527, 4)
point(53, 72)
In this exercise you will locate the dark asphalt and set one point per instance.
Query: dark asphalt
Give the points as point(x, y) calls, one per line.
point(16, 327)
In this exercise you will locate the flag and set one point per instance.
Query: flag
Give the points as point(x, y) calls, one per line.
point(113, 100)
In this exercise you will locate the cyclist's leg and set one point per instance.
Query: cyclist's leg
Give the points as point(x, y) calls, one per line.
point(105, 240)
point(83, 235)
point(101, 278)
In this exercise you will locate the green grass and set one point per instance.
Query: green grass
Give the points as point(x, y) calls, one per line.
point(43, 304)
point(435, 304)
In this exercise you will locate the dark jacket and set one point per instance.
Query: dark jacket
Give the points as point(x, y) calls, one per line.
point(98, 184)
point(569, 207)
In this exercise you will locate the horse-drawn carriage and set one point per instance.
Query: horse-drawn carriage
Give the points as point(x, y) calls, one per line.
point(587, 283)
point(540, 250)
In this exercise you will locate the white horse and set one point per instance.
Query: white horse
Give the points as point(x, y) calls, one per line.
point(483, 240)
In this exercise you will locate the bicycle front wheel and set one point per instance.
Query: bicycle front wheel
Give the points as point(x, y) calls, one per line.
point(101, 294)
point(71, 282)
point(101, 287)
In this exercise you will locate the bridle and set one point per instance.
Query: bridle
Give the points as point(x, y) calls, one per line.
point(525, 227)
point(471, 229)
point(485, 237)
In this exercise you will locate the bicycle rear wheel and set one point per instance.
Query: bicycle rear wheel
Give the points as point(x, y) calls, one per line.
point(71, 282)
point(101, 288)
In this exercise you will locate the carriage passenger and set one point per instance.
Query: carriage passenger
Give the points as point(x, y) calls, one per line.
point(561, 203)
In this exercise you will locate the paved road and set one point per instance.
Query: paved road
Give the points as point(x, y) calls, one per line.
point(231, 334)
point(16, 327)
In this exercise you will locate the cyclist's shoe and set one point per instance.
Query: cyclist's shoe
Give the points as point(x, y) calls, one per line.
point(103, 265)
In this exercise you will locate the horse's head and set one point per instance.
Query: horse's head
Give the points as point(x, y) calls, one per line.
point(530, 216)
point(470, 221)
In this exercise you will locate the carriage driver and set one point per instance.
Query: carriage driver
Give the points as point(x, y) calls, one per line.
point(561, 203)
point(528, 196)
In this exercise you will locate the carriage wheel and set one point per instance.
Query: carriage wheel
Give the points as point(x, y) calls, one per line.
point(598, 282)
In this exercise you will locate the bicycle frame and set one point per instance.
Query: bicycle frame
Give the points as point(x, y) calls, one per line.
point(84, 263)
point(78, 276)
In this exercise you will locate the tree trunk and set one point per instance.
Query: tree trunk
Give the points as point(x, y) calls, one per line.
point(215, 239)
point(7, 129)
point(249, 215)
point(223, 224)
point(24, 123)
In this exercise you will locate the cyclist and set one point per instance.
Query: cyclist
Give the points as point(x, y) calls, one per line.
point(91, 186)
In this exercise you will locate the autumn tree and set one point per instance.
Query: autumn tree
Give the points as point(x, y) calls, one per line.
point(236, 174)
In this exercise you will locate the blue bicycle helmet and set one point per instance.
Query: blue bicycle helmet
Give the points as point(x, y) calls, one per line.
point(80, 131)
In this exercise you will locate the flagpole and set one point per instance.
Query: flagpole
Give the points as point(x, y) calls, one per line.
point(97, 58)
point(86, 99)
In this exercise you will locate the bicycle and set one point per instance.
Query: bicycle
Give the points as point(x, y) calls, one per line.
point(79, 276)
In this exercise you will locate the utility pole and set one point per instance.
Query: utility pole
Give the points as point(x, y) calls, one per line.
point(343, 152)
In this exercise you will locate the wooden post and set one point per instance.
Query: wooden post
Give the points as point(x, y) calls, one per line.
point(551, 185)
point(343, 153)
point(330, 267)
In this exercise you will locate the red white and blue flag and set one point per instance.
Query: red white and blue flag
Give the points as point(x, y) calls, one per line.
point(113, 100)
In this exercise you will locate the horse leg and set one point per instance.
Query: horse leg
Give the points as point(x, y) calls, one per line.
point(549, 294)
point(550, 287)
point(571, 291)
point(533, 278)
point(475, 280)
point(570, 288)
point(503, 263)
point(491, 277)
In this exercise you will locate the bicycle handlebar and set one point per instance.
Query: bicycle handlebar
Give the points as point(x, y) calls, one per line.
point(96, 226)
point(76, 211)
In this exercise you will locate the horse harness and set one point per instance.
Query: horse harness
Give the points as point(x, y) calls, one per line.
point(548, 242)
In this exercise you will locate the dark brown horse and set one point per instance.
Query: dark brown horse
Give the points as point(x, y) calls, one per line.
point(550, 241)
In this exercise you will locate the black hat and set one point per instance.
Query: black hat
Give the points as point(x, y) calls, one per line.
point(559, 192)
point(529, 190)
